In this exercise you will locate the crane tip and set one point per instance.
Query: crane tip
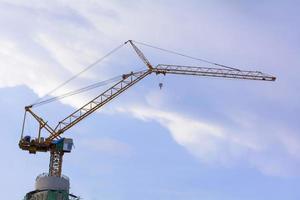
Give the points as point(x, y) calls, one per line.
point(127, 41)
point(28, 107)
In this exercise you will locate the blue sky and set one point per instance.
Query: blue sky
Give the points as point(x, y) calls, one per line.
point(197, 138)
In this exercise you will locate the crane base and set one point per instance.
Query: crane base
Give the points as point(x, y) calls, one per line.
point(46, 182)
point(51, 188)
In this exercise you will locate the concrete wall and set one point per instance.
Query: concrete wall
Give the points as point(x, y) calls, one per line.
point(52, 183)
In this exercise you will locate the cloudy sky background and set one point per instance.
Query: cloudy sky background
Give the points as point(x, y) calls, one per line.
point(197, 138)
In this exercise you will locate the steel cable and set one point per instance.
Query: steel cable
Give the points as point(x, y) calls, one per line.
point(186, 56)
point(78, 74)
point(78, 91)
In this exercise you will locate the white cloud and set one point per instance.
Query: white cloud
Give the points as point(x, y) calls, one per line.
point(106, 146)
point(61, 38)
point(273, 154)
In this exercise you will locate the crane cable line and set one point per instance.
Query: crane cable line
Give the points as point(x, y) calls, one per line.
point(78, 74)
point(40, 101)
point(186, 56)
point(78, 91)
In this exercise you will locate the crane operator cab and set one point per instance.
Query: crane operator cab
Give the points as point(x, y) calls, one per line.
point(63, 144)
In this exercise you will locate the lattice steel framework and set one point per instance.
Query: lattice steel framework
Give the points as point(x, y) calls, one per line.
point(128, 80)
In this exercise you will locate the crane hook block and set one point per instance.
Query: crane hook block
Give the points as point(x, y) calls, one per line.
point(160, 85)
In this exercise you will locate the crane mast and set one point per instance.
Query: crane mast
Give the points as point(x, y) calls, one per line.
point(58, 145)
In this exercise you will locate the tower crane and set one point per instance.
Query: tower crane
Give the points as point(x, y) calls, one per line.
point(57, 145)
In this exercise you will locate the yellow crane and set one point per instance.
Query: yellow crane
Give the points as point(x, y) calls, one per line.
point(58, 145)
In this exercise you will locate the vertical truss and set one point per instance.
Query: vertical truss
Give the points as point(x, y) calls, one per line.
point(55, 166)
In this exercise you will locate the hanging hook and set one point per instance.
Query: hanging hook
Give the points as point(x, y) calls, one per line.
point(160, 85)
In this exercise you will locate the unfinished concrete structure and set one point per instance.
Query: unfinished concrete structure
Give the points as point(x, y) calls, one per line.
point(51, 188)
